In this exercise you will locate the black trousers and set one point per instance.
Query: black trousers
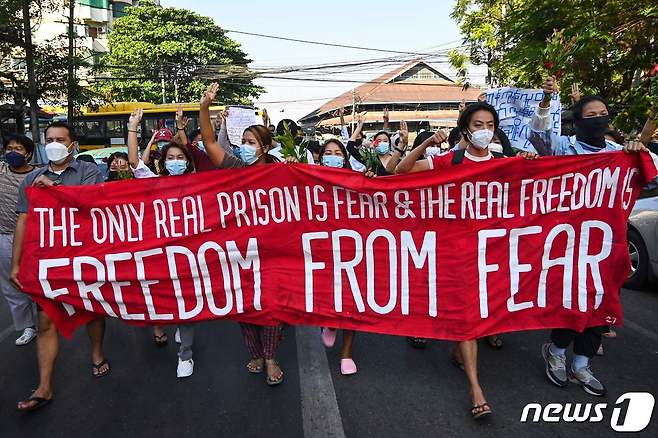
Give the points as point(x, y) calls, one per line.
point(584, 343)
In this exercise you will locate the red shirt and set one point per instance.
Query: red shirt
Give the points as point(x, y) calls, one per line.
point(444, 161)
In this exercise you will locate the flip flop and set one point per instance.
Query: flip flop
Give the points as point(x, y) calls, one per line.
point(98, 367)
point(329, 337)
point(40, 402)
point(347, 367)
point(479, 411)
point(255, 369)
point(610, 334)
point(273, 382)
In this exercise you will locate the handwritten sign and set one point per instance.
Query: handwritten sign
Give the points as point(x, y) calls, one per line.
point(516, 107)
point(239, 118)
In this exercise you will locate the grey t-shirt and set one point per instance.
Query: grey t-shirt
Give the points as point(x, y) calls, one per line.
point(10, 183)
point(78, 173)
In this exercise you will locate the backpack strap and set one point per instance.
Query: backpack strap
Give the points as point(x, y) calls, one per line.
point(458, 156)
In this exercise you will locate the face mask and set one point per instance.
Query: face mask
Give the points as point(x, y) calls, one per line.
point(592, 130)
point(57, 152)
point(161, 144)
point(201, 146)
point(248, 154)
point(15, 159)
point(176, 167)
point(480, 139)
point(383, 148)
point(495, 147)
point(333, 161)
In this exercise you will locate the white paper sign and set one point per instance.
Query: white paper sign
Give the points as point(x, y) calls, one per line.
point(239, 119)
point(515, 108)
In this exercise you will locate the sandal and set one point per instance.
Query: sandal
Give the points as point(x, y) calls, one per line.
point(161, 340)
point(494, 342)
point(610, 334)
point(479, 411)
point(417, 342)
point(275, 381)
point(97, 368)
point(40, 402)
point(255, 366)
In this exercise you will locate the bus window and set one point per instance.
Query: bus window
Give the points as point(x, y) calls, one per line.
point(114, 129)
point(90, 129)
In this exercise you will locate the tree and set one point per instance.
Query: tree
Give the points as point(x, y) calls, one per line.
point(153, 47)
point(608, 46)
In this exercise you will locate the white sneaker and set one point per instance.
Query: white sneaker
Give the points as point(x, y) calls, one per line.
point(177, 336)
point(185, 368)
point(26, 337)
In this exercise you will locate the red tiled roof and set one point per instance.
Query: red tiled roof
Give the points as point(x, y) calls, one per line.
point(381, 90)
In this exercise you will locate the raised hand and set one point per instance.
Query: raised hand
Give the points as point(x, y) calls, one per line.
point(404, 133)
point(439, 137)
point(575, 93)
point(550, 86)
point(209, 95)
point(361, 118)
point(181, 120)
point(386, 114)
point(134, 119)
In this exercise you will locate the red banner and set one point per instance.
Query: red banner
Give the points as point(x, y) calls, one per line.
point(495, 247)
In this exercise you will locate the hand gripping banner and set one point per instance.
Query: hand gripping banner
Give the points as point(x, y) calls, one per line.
point(486, 248)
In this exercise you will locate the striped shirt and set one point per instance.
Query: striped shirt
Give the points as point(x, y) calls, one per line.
point(10, 181)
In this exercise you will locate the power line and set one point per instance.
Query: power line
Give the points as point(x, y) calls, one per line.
point(320, 43)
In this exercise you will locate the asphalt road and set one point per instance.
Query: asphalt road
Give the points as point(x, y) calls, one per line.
point(398, 391)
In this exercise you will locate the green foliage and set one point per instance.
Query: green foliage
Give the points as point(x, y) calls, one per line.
point(370, 158)
point(288, 146)
point(606, 46)
point(184, 48)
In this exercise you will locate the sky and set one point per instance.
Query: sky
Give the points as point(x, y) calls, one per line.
point(411, 25)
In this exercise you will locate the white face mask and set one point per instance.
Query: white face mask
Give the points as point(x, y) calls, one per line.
point(432, 151)
point(480, 139)
point(495, 147)
point(57, 152)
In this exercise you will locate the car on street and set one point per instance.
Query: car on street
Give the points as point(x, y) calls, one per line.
point(643, 242)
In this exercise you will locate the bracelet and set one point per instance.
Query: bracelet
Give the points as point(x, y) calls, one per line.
point(181, 129)
point(132, 130)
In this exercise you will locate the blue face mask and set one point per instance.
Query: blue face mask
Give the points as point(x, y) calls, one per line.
point(201, 146)
point(248, 154)
point(15, 159)
point(176, 167)
point(333, 161)
point(383, 148)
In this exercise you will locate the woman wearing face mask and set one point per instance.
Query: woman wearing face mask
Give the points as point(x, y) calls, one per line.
point(153, 150)
point(381, 142)
point(261, 342)
point(174, 160)
point(18, 151)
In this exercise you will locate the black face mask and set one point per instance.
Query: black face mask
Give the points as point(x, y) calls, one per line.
point(592, 130)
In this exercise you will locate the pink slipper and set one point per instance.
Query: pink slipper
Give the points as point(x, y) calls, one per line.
point(329, 337)
point(347, 367)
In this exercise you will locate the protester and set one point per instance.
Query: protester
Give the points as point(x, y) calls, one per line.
point(175, 160)
point(153, 150)
point(591, 122)
point(62, 169)
point(355, 164)
point(18, 150)
point(381, 144)
point(262, 342)
point(477, 124)
point(118, 168)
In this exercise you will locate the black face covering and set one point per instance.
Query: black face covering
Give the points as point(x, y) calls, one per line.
point(592, 130)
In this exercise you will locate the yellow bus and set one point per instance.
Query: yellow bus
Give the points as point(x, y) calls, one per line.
point(108, 126)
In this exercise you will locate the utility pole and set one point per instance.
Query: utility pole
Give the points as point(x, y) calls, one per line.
point(32, 97)
point(353, 108)
point(71, 79)
point(162, 82)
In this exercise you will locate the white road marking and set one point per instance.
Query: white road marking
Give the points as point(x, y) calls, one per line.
point(320, 415)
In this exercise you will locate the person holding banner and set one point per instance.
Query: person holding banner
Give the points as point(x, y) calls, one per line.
point(18, 151)
point(381, 143)
point(62, 169)
point(174, 160)
point(262, 342)
point(592, 121)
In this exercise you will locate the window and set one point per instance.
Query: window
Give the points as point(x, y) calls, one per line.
point(114, 128)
